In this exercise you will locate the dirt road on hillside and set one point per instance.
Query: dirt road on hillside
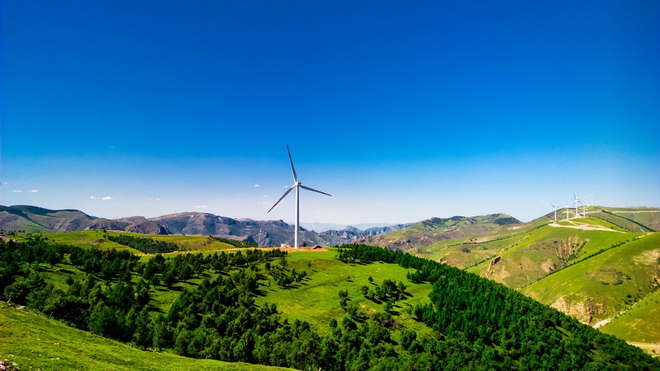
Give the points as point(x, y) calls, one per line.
point(586, 227)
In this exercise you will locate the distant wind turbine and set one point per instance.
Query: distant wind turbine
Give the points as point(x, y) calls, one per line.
point(567, 212)
point(555, 207)
point(297, 185)
point(590, 200)
point(576, 201)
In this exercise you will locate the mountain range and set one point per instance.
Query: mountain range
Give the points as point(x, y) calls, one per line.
point(263, 232)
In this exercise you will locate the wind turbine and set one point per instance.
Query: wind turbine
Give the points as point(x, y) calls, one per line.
point(590, 200)
point(555, 207)
point(297, 185)
point(575, 202)
point(567, 212)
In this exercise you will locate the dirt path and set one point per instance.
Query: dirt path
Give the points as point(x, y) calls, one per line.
point(603, 322)
point(584, 226)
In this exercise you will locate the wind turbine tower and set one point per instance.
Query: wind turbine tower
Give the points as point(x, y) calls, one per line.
point(567, 212)
point(555, 207)
point(575, 202)
point(297, 185)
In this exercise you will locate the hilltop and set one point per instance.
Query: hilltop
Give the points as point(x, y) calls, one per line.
point(433, 230)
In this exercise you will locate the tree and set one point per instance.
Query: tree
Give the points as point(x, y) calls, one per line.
point(142, 334)
point(182, 340)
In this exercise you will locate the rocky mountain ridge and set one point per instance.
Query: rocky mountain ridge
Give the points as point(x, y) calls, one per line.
point(262, 232)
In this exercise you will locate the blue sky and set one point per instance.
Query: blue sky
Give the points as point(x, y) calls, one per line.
point(402, 111)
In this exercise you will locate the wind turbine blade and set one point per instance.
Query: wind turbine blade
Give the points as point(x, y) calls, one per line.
point(293, 169)
point(278, 201)
point(314, 190)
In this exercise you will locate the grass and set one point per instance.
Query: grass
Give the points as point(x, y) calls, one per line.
point(598, 222)
point(535, 254)
point(85, 239)
point(316, 300)
point(33, 341)
point(640, 323)
point(188, 243)
point(96, 239)
point(604, 285)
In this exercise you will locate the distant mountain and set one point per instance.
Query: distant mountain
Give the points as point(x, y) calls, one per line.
point(433, 230)
point(323, 227)
point(264, 233)
point(353, 233)
point(37, 219)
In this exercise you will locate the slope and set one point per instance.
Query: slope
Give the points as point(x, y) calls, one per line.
point(639, 324)
point(547, 249)
point(637, 218)
point(34, 341)
point(100, 239)
point(604, 285)
point(433, 230)
point(35, 219)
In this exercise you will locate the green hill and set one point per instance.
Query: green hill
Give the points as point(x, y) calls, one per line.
point(604, 285)
point(588, 267)
point(104, 240)
point(546, 250)
point(354, 307)
point(639, 324)
point(639, 219)
point(31, 340)
point(434, 230)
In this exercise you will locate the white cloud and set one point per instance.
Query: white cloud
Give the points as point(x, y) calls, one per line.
point(17, 191)
point(157, 198)
point(34, 191)
point(91, 197)
point(202, 207)
point(107, 198)
point(257, 185)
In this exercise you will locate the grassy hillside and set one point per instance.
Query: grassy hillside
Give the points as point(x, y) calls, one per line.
point(467, 252)
point(641, 217)
point(34, 341)
point(544, 251)
point(434, 230)
point(592, 267)
point(604, 285)
point(316, 300)
point(639, 323)
point(356, 307)
point(97, 239)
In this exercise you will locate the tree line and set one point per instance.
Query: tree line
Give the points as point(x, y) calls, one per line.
point(145, 245)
